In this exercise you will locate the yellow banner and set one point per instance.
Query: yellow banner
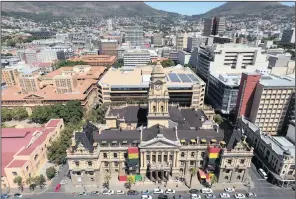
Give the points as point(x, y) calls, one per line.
point(213, 155)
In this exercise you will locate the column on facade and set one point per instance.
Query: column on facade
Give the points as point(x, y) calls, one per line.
point(150, 157)
point(177, 159)
point(174, 158)
point(142, 159)
point(145, 160)
point(162, 174)
point(162, 156)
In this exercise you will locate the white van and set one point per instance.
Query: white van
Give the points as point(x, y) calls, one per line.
point(262, 173)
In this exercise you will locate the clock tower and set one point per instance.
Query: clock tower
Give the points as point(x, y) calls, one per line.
point(158, 99)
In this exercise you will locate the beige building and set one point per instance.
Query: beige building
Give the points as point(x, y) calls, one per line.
point(59, 86)
point(168, 139)
point(24, 151)
point(271, 101)
point(275, 154)
point(108, 47)
point(184, 86)
point(10, 76)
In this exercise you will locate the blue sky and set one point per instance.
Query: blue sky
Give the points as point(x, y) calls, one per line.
point(191, 8)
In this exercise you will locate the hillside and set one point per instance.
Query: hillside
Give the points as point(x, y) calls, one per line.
point(251, 8)
point(82, 9)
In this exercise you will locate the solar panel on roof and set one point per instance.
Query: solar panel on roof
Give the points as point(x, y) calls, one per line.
point(184, 78)
point(174, 77)
point(192, 77)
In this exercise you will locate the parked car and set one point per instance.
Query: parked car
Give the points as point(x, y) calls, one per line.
point(95, 193)
point(262, 173)
point(170, 191)
point(108, 192)
point(224, 195)
point(251, 195)
point(229, 189)
point(162, 196)
point(82, 194)
point(146, 192)
point(132, 192)
point(206, 190)
point(193, 191)
point(239, 196)
point(146, 197)
point(18, 195)
point(4, 196)
point(119, 192)
point(157, 191)
point(210, 195)
point(195, 196)
point(58, 187)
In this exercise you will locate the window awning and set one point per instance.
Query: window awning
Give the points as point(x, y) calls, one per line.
point(213, 140)
point(114, 142)
point(104, 142)
point(193, 140)
point(203, 140)
point(182, 141)
point(124, 142)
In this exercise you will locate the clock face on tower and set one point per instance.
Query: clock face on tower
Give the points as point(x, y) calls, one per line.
point(158, 86)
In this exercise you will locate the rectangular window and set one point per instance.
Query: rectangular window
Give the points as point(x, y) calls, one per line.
point(89, 163)
point(115, 155)
point(106, 164)
point(105, 155)
point(14, 173)
point(77, 163)
point(242, 161)
point(191, 163)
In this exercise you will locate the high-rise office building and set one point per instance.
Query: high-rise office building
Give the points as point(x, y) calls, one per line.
point(193, 42)
point(214, 26)
point(265, 102)
point(288, 36)
point(134, 35)
point(108, 47)
point(157, 40)
point(109, 25)
point(180, 42)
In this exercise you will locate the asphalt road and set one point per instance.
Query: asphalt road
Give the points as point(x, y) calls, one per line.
point(262, 188)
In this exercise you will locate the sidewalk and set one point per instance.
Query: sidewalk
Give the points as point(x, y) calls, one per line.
point(178, 186)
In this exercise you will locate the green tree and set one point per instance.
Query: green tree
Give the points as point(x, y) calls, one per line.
point(10, 42)
point(63, 63)
point(107, 179)
point(213, 179)
point(167, 63)
point(73, 111)
point(119, 63)
point(19, 181)
point(50, 172)
point(6, 114)
point(39, 114)
point(32, 187)
point(188, 65)
point(192, 173)
point(40, 180)
point(130, 181)
point(31, 183)
point(218, 119)
point(20, 113)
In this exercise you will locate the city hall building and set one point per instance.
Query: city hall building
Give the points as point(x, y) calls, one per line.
point(155, 142)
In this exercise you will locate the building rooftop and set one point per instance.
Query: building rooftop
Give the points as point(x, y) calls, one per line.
point(278, 81)
point(20, 141)
point(176, 77)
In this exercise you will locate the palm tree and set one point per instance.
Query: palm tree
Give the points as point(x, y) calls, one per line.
point(213, 179)
point(19, 181)
point(107, 178)
point(192, 172)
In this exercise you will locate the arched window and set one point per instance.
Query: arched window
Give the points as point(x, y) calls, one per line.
point(238, 177)
point(154, 109)
point(226, 177)
point(162, 108)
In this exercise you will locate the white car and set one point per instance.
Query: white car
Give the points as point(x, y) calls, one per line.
point(119, 192)
point(146, 197)
point(170, 191)
point(224, 195)
point(108, 192)
point(195, 196)
point(157, 191)
point(63, 182)
point(239, 196)
point(206, 190)
point(229, 189)
point(251, 195)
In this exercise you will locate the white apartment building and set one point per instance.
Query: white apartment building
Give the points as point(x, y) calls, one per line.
point(229, 58)
point(47, 55)
point(197, 41)
point(288, 36)
point(275, 154)
point(183, 57)
point(271, 102)
point(138, 57)
point(181, 41)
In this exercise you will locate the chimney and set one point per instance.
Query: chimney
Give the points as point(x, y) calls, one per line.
point(176, 131)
